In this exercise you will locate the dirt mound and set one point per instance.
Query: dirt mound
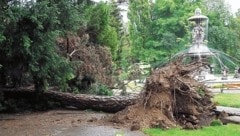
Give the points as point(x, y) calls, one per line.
point(171, 97)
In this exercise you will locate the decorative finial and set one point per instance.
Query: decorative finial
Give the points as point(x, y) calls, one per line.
point(198, 11)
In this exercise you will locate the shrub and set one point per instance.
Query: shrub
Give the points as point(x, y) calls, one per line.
point(101, 89)
point(216, 123)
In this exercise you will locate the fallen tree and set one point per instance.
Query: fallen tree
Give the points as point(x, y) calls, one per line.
point(171, 97)
point(110, 104)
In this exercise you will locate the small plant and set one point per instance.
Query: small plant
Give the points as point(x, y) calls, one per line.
point(119, 134)
point(101, 89)
point(200, 91)
point(216, 123)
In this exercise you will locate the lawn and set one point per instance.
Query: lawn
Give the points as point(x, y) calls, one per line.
point(225, 130)
point(230, 100)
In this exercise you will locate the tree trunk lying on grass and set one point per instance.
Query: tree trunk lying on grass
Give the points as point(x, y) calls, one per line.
point(81, 101)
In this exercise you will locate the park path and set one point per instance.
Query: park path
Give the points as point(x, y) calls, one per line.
point(94, 130)
point(62, 123)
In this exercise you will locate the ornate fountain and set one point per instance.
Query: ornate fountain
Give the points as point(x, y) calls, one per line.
point(199, 49)
point(199, 24)
point(221, 68)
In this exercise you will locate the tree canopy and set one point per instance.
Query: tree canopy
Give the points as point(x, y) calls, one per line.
point(157, 30)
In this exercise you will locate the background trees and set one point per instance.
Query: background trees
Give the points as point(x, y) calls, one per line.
point(159, 29)
point(29, 46)
point(30, 33)
point(222, 35)
point(156, 31)
point(139, 29)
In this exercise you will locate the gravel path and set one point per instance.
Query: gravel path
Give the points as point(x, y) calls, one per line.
point(61, 123)
point(93, 130)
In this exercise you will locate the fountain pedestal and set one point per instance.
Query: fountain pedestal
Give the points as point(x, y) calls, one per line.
point(199, 50)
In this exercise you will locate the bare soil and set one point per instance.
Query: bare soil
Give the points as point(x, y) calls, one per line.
point(61, 123)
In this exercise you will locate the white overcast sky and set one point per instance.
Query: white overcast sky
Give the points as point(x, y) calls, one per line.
point(235, 4)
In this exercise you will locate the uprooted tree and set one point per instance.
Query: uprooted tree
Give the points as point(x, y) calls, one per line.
point(171, 97)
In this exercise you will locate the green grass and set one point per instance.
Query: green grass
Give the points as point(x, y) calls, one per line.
point(225, 130)
point(230, 100)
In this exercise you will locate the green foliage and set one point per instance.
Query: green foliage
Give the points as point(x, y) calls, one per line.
point(109, 37)
point(98, 17)
point(115, 18)
point(217, 11)
point(216, 123)
point(101, 26)
point(101, 89)
point(2, 38)
point(225, 130)
point(71, 16)
point(224, 39)
point(119, 134)
point(200, 91)
point(124, 53)
point(139, 29)
point(119, 34)
point(158, 30)
point(30, 32)
point(223, 28)
point(229, 100)
point(45, 63)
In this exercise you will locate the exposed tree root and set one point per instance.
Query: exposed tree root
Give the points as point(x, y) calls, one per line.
point(171, 97)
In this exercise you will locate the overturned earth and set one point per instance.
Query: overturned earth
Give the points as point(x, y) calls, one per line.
point(170, 97)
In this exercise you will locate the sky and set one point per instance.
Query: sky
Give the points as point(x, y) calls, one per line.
point(235, 5)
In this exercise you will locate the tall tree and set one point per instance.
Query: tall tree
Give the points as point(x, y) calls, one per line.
point(117, 23)
point(159, 27)
point(222, 27)
point(139, 29)
point(100, 29)
point(29, 46)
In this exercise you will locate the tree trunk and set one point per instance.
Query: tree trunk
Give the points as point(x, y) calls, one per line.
point(81, 101)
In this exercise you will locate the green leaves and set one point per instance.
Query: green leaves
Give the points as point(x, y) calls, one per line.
point(108, 37)
point(104, 26)
point(2, 38)
point(28, 41)
point(223, 28)
point(155, 29)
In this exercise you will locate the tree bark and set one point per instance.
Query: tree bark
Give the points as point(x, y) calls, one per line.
point(80, 101)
